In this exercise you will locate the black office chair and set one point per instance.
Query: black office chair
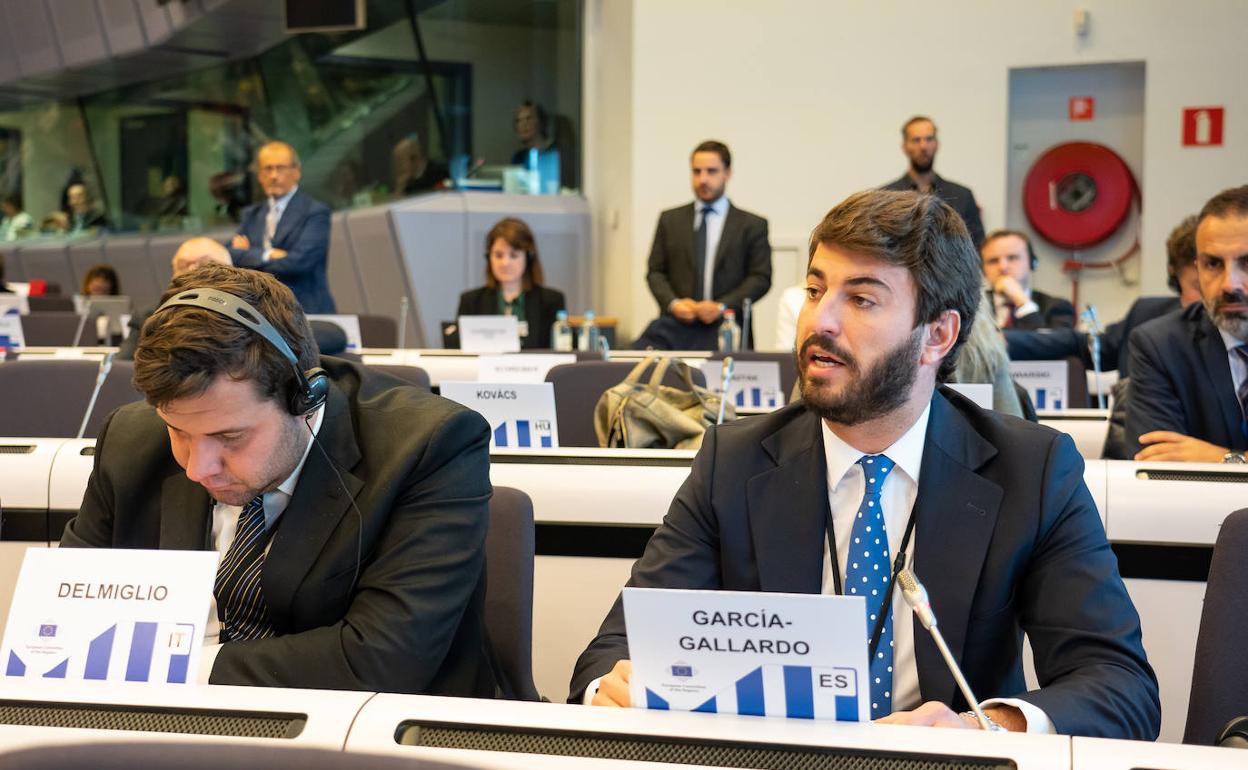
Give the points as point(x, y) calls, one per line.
point(203, 756)
point(509, 550)
point(412, 375)
point(378, 331)
point(45, 398)
point(1219, 677)
point(579, 386)
point(54, 303)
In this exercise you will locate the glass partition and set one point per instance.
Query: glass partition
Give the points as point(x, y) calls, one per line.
point(373, 119)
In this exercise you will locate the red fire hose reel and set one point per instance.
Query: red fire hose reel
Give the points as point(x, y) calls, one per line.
point(1077, 195)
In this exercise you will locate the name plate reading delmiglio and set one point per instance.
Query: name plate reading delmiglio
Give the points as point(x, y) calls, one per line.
point(109, 615)
point(489, 333)
point(521, 414)
point(762, 654)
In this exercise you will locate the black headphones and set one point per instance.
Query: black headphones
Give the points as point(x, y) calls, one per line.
point(311, 387)
point(1031, 255)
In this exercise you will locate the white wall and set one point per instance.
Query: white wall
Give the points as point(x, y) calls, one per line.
point(810, 96)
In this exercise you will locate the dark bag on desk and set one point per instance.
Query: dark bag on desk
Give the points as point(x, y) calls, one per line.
point(650, 415)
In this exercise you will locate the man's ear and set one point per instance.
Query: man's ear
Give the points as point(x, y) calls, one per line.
point(939, 337)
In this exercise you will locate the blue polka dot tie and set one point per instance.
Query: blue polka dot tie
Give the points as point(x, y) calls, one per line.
point(867, 575)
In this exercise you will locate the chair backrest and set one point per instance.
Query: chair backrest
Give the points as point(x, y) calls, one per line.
point(413, 375)
point(509, 588)
point(45, 303)
point(1076, 383)
point(1219, 677)
point(378, 331)
point(579, 386)
point(45, 398)
point(118, 390)
point(56, 329)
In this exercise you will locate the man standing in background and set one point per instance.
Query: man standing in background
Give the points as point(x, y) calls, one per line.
point(286, 235)
point(919, 143)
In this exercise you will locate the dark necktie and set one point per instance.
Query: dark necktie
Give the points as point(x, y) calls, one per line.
point(240, 600)
point(867, 574)
point(1242, 391)
point(700, 255)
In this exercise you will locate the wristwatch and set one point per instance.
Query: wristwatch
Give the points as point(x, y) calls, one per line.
point(993, 726)
point(1234, 458)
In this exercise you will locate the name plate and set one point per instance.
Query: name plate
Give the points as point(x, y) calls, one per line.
point(109, 615)
point(489, 333)
point(1044, 381)
point(350, 325)
point(520, 367)
point(11, 335)
point(521, 414)
point(761, 654)
point(755, 384)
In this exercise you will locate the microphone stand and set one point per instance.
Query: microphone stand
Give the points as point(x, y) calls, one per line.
point(725, 379)
point(105, 366)
point(402, 321)
point(747, 308)
point(82, 322)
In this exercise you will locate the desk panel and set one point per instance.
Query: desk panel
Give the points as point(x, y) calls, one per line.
point(524, 724)
point(1103, 754)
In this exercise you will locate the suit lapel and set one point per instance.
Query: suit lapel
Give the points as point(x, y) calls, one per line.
point(1218, 369)
point(185, 514)
point(291, 215)
point(955, 514)
point(789, 537)
point(315, 510)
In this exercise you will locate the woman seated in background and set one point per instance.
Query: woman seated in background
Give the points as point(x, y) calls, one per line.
point(101, 281)
point(513, 284)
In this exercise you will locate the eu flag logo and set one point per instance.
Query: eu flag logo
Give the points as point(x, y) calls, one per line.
point(47, 629)
point(682, 670)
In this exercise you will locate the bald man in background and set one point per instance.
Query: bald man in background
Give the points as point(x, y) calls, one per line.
point(190, 255)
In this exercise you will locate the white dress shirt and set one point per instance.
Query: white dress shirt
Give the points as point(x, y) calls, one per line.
point(714, 229)
point(225, 523)
point(845, 490)
point(279, 206)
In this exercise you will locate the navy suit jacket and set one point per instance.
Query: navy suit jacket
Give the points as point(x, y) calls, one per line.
point(303, 232)
point(1181, 381)
point(1007, 541)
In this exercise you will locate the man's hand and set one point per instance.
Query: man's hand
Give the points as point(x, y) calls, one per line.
point(277, 254)
point(240, 242)
point(708, 311)
point(1175, 447)
point(613, 688)
point(684, 309)
point(936, 714)
point(1011, 289)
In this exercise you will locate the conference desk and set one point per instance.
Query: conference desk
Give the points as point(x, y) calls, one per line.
point(595, 509)
point(508, 734)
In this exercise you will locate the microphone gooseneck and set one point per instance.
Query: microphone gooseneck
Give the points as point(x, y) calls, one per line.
point(725, 379)
point(105, 367)
point(916, 596)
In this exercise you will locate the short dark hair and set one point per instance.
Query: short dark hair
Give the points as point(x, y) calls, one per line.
point(183, 350)
point(517, 235)
point(719, 148)
point(916, 119)
point(1232, 201)
point(922, 234)
point(1181, 246)
point(1005, 232)
point(107, 273)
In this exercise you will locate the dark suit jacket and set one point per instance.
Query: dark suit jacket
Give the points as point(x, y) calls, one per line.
point(1181, 381)
point(742, 260)
point(959, 198)
point(1007, 541)
point(303, 232)
point(541, 304)
point(1054, 313)
point(418, 468)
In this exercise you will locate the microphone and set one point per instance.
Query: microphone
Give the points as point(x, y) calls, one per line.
point(725, 379)
point(105, 367)
point(1234, 735)
point(916, 596)
point(402, 321)
point(1094, 341)
point(82, 322)
point(747, 307)
point(605, 347)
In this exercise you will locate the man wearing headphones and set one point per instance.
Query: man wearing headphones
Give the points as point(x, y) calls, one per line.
point(1008, 261)
point(350, 510)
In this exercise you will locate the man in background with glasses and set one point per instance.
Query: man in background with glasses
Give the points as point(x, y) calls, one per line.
point(287, 234)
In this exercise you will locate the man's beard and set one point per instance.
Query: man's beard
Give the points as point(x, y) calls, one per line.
point(922, 166)
point(1234, 323)
point(868, 395)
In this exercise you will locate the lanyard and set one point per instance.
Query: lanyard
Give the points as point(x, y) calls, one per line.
point(899, 563)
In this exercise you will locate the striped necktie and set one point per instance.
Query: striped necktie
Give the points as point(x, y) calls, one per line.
point(1241, 393)
point(867, 575)
point(270, 224)
point(240, 599)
